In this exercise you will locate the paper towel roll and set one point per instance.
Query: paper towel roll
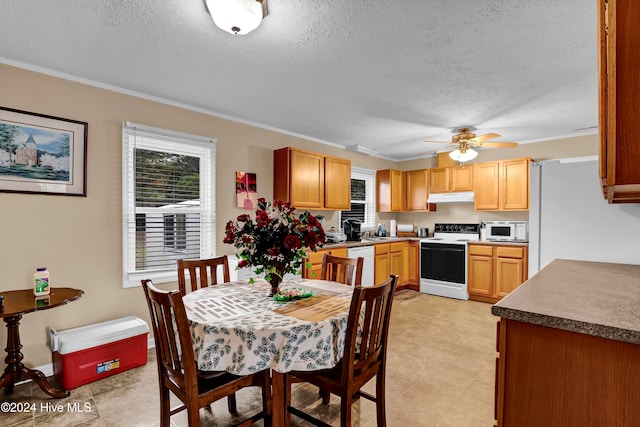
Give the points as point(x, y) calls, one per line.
point(393, 228)
point(405, 228)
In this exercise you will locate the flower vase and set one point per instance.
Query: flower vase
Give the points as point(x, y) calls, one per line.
point(276, 279)
point(275, 284)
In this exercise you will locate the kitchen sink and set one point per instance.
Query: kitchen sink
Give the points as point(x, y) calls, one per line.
point(378, 238)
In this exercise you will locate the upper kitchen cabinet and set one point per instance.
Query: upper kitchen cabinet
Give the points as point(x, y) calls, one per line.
point(337, 183)
point(502, 185)
point(310, 180)
point(451, 179)
point(390, 191)
point(417, 185)
point(619, 87)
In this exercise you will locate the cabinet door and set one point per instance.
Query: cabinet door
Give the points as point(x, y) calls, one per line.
point(416, 182)
point(486, 186)
point(462, 178)
point(509, 275)
point(413, 276)
point(619, 119)
point(514, 184)
point(389, 191)
point(439, 180)
point(381, 268)
point(341, 252)
point(603, 82)
point(397, 191)
point(481, 275)
point(396, 266)
point(307, 179)
point(337, 183)
point(315, 259)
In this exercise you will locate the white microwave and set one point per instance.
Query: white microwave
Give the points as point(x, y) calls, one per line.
point(507, 231)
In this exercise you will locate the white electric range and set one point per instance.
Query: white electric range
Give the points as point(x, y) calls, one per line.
point(443, 260)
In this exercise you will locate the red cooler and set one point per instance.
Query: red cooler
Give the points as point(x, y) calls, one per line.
point(90, 353)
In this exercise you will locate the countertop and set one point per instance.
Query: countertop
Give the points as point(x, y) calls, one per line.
point(593, 298)
point(366, 242)
point(494, 243)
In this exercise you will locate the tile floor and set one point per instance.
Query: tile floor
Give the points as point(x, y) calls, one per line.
point(440, 372)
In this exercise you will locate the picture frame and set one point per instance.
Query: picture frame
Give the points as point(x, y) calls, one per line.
point(246, 190)
point(42, 154)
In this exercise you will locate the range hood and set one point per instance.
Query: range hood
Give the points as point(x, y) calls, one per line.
point(461, 197)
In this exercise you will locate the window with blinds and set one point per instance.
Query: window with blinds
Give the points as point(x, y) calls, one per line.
point(168, 201)
point(363, 198)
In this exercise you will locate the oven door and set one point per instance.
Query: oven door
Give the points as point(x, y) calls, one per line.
point(443, 261)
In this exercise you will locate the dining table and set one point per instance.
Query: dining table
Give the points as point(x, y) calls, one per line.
point(239, 328)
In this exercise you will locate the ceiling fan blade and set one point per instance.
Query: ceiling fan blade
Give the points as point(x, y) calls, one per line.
point(485, 137)
point(498, 144)
point(439, 142)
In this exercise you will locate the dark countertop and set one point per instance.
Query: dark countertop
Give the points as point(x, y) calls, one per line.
point(593, 298)
point(493, 243)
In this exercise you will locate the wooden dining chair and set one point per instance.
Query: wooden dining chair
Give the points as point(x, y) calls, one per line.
point(342, 270)
point(363, 357)
point(202, 272)
point(177, 371)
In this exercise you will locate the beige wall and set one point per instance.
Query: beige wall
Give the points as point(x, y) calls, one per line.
point(79, 239)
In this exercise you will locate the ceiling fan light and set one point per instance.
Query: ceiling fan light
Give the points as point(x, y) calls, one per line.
point(237, 16)
point(463, 157)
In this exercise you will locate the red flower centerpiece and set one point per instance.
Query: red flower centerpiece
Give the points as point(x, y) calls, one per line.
point(276, 241)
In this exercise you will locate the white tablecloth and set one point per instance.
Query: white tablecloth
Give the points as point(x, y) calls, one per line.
point(235, 329)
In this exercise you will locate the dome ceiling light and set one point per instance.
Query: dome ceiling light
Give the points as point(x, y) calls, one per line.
point(237, 16)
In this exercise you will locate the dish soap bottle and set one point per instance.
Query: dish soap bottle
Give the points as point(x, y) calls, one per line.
point(41, 282)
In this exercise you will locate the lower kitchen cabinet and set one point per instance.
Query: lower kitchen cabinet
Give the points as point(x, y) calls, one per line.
point(401, 258)
point(389, 260)
point(496, 270)
point(315, 258)
point(382, 264)
point(552, 377)
point(412, 265)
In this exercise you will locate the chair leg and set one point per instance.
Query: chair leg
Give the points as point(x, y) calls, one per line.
point(325, 395)
point(345, 410)
point(165, 407)
point(380, 400)
point(287, 398)
point(232, 403)
point(267, 401)
point(193, 413)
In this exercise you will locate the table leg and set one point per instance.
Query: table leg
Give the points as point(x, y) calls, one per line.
point(15, 370)
point(280, 412)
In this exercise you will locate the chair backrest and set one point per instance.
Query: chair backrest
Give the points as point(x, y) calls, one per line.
point(342, 270)
point(370, 312)
point(202, 272)
point(171, 334)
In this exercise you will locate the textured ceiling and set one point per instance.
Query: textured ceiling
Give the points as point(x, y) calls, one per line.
point(384, 74)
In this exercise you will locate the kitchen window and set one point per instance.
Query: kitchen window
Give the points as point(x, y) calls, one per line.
point(168, 201)
point(363, 198)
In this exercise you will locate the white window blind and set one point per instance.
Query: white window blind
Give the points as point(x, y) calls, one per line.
point(363, 198)
point(168, 201)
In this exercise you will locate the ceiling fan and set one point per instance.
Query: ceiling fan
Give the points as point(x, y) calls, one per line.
point(465, 141)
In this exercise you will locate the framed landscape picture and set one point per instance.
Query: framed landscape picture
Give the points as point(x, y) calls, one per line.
point(42, 154)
